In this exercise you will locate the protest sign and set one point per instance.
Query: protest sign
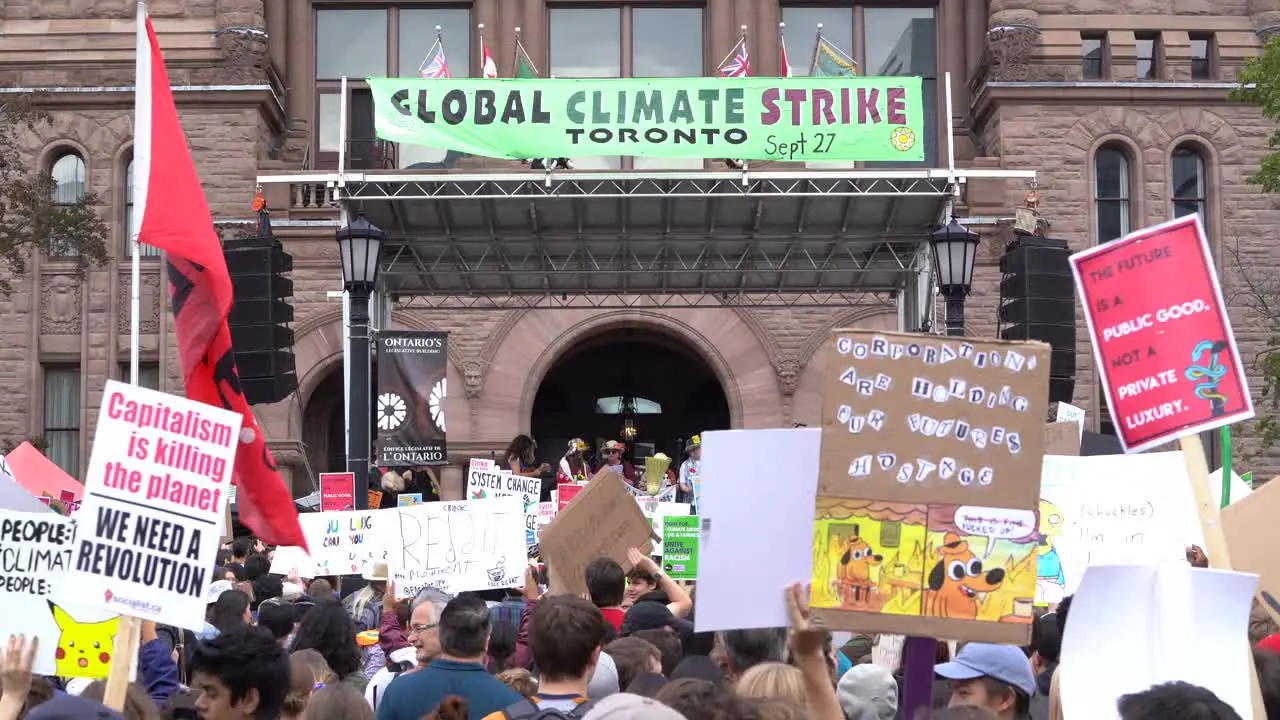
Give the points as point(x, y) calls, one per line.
point(375, 499)
point(601, 521)
point(1249, 524)
point(156, 485)
point(680, 539)
point(928, 485)
point(458, 546)
point(1165, 350)
point(484, 481)
point(1066, 412)
point(291, 559)
point(36, 552)
point(657, 511)
point(346, 543)
point(800, 118)
point(1061, 438)
point(15, 497)
point(338, 492)
point(776, 543)
point(408, 499)
point(1111, 510)
point(1134, 623)
point(566, 492)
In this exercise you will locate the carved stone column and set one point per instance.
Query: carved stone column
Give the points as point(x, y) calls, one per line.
point(1265, 16)
point(1013, 31)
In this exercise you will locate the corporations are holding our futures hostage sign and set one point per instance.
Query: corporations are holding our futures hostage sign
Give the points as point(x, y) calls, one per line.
point(846, 118)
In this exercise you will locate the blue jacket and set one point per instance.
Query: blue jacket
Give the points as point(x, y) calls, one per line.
point(413, 695)
point(159, 674)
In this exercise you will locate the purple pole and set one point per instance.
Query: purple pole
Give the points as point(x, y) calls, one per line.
point(917, 681)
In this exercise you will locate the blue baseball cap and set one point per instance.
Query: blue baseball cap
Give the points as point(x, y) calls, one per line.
point(1005, 663)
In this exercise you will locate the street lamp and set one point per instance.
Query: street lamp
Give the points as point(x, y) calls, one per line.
point(360, 249)
point(955, 248)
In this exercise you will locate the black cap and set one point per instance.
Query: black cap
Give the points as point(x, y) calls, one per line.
point(73, 707)
point(650, 615)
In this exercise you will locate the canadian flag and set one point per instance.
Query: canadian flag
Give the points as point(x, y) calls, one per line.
point(170, 213)
point(489, 68)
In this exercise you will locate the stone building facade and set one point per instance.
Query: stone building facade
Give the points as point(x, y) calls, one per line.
point(1119, 106)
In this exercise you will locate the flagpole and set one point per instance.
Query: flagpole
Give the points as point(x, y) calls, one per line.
point(783, 57)
point(141, 146)
point(480, 27)
point(817, 48)
point(742, 40)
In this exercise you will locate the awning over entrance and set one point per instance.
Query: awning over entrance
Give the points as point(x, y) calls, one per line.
point(656, 239)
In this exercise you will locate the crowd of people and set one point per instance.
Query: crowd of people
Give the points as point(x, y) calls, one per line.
point(292, 648)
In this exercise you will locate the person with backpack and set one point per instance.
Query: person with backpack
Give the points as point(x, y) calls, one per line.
point(567, 635)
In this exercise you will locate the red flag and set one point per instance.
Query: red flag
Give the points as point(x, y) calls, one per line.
point(175, 218)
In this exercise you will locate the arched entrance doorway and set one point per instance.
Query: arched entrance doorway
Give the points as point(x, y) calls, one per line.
point(628, 378)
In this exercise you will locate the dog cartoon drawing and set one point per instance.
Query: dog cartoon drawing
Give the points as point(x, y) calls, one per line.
point(956, 580)
point(854, 574)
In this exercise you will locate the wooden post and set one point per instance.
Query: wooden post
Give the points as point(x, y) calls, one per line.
point(1215, 542)
point(122, 659)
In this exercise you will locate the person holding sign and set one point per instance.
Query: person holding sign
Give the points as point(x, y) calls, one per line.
point(689, 479)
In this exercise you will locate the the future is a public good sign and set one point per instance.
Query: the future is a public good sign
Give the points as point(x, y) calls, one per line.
point(1166, 353)
point(847, 118)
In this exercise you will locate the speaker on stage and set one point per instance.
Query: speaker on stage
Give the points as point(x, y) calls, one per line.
point(259, 319)
point(1038, 302)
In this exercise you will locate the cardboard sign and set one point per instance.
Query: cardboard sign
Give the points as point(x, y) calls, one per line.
point(928, 485)
point(158, 479)
point(338, 492)
point(681, 536)
point(1250, 527)
point(484, 481)
point(458, 546)
point(602, 520)
point(375, 499)
point(1061, 438)
point(1165, 350)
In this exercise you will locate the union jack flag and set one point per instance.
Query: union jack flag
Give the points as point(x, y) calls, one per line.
point(435, 65)
point(738, 62)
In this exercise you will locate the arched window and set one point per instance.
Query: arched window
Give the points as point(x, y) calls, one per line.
point(144, 249)
point(69, 186)
point(1188, 182)
point(1111, 186)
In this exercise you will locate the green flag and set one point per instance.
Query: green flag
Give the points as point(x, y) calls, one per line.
point(830, 61)
point(525, 69)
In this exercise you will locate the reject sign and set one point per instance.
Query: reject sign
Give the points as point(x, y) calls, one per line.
point(1161, 336)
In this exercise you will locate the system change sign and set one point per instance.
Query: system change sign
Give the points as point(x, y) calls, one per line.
point(1165, 348)
point(847, 118)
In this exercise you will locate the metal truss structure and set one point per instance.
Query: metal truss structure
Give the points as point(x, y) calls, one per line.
point(663, 239)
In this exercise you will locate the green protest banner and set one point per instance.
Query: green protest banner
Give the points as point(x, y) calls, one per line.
point(803, 118)
point(680, 537)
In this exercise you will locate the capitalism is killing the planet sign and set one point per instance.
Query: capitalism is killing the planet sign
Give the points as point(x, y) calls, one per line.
point(804, 118)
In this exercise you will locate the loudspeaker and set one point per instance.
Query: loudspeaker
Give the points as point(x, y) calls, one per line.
point(1038, 302)
point(259, 319)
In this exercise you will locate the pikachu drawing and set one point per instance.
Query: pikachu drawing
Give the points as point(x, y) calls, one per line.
point(84, 649)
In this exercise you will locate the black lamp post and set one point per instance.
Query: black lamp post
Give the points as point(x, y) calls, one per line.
point(955, 248)
point(360, 249)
